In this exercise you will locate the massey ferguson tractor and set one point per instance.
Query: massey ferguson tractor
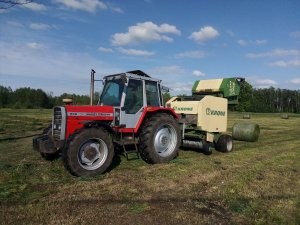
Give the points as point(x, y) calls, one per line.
point(131, 114)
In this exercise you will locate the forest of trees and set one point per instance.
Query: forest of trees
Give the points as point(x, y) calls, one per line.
point(36, 98)
point(268, 100)
point(250, 99)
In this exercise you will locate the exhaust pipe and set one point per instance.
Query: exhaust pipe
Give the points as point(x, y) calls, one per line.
point(92, 86)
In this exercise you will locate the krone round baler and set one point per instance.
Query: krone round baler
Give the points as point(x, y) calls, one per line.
point(203, 116)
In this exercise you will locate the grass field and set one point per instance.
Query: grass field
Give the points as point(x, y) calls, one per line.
point(258, 183)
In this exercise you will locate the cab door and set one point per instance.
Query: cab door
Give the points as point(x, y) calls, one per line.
point(134, 103)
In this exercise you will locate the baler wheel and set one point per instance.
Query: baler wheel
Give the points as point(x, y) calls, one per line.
point(207, 148)
point(224, 143)
point(89, 152)
point(159, 139)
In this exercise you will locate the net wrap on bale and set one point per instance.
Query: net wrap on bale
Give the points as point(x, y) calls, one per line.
point(245, 131)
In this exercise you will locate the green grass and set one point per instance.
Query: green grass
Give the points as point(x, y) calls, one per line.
point(258, 183)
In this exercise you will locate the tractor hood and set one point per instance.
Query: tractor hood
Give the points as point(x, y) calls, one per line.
point(70, 118)
point(89, 112)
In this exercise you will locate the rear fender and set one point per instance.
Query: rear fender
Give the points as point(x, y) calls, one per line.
point(149, 111)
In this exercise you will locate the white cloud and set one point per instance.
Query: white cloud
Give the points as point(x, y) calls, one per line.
point(168, 70)
point(39, 26)
point(15, 24)
point(242, 42)
point(191, 54)
point(198, 73)
point(295, 81)
point(283, 63)
point(34, 6)
point(84, 5)
point(261, 42)
point(274, 53)
point(21, 65)
point(106, 50)
point(295, 34)
point(114, 8)
point(230, 33)
point(145, 32)
point(35, 45)
point(135, 52)
point(117, 9)
point(264, 83)
point(251, 42)
point(180, 87)
point(204, 34)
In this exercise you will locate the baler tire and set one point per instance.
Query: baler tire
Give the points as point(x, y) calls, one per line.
point(88, 142)
point(224, 143)
point(159, 139)
point(207, 148)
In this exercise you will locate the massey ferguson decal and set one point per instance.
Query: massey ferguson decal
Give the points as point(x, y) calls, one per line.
point(89, 114)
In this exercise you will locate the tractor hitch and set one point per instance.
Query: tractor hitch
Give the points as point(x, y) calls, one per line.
point(44, 144)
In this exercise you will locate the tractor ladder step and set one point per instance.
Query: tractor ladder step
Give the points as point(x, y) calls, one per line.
point(131, 149)
point(129, 145)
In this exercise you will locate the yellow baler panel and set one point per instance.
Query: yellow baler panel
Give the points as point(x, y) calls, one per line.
point(213, 85)
point(212, 114)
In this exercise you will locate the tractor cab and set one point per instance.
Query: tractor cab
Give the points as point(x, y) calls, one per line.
point(129, 93)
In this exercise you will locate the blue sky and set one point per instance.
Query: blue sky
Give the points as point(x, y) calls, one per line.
point(53, 44)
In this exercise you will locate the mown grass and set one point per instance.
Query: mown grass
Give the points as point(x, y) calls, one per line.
point(23, 122)
point(258, 183)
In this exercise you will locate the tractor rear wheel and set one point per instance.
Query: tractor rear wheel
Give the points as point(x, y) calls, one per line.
point(89, 152)
point(224, 143)
point(159, 139)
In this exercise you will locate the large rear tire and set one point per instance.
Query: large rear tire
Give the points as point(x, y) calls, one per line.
point(89, 152)
point(159, 139)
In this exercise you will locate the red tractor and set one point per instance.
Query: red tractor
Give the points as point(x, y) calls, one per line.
point(130, 112)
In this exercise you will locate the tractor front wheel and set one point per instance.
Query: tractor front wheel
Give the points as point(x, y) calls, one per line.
point(159, 139)
point(89, 152)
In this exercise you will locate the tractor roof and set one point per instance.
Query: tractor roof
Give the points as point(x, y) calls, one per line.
point(136, 74)
point(139, 73)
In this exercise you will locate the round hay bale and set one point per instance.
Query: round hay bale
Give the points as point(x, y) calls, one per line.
point(284, 116)
point(245, 131)
point(246, 116)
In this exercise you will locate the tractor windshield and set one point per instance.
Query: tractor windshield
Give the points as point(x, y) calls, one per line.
point(112, 93)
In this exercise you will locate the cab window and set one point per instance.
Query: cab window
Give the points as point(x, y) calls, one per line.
point(112, 93)
point(134, 96)
point(152, 93)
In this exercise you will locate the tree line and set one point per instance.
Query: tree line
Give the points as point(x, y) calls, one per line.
point(36, 98)
point(250, 99)
point(268, 100)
